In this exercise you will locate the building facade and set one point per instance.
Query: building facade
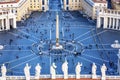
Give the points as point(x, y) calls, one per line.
point(72, 5)
point(109, 19)
point(116, 4)
point(24, 7)
point(91, 7)
point(7, 20)
point(17, 10)
point(39, 5)
point(19, 7)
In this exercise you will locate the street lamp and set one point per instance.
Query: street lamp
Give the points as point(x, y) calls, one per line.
point(116, 45)
point(118, 65)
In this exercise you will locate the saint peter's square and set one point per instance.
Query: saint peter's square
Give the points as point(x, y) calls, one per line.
point(59, 39)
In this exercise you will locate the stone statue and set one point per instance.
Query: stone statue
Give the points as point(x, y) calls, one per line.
point(94, 68)
point(65, 69)
point(27, 71)
point(3, 71)
point(103, 72)
point(78, 70)
point(37, 71)
point(53, 71)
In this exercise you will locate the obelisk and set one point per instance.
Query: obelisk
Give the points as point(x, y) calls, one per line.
point(57, 46)
point(57, 30)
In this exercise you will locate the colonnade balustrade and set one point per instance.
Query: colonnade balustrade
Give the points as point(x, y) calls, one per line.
point(109, 19)
point(53, 74)
point(7, 20)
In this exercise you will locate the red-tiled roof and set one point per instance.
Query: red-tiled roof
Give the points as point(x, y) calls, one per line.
point(76, 79)
point(100, 1)
point(15, 1)
point(116, 0)
point(70, 79)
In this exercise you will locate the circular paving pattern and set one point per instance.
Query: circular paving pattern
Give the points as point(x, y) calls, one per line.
point(69, 47)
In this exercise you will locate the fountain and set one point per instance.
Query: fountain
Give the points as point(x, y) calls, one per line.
point(115, 44)
point(57, 46)
point(1, 47)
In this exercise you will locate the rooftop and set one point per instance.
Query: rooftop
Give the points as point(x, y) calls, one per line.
point(116, 4)
point(8, 1)
point(92, 2)
point(100, 1)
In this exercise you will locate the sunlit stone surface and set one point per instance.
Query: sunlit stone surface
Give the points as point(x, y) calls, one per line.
point(33, 40)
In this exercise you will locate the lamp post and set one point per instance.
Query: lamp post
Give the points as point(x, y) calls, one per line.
point(116, 45)
point(118, 69)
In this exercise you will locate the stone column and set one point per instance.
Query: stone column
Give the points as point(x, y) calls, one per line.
point(64, 4)
point(105, 22)
point(98, 22)
point(14, 22)
point(7, 23)
point(113, 25)
point(117, 22)
point(2, 22)
point(109, 22)
point(45, 5)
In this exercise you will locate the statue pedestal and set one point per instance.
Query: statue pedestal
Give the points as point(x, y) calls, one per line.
point(103, 78)
point(78, 76)
point(37, 77)
point(94, 76)
point(57, 47)
point(3, 78)
point(53, 76)
point(27, 77)
point(65, 76)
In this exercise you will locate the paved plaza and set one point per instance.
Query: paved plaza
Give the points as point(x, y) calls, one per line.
point(32, 40)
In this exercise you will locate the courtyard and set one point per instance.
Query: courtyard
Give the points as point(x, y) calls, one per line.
point(30, 43)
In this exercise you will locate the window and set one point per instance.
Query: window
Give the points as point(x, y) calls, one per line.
point(67, 1)
point(43, 2)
